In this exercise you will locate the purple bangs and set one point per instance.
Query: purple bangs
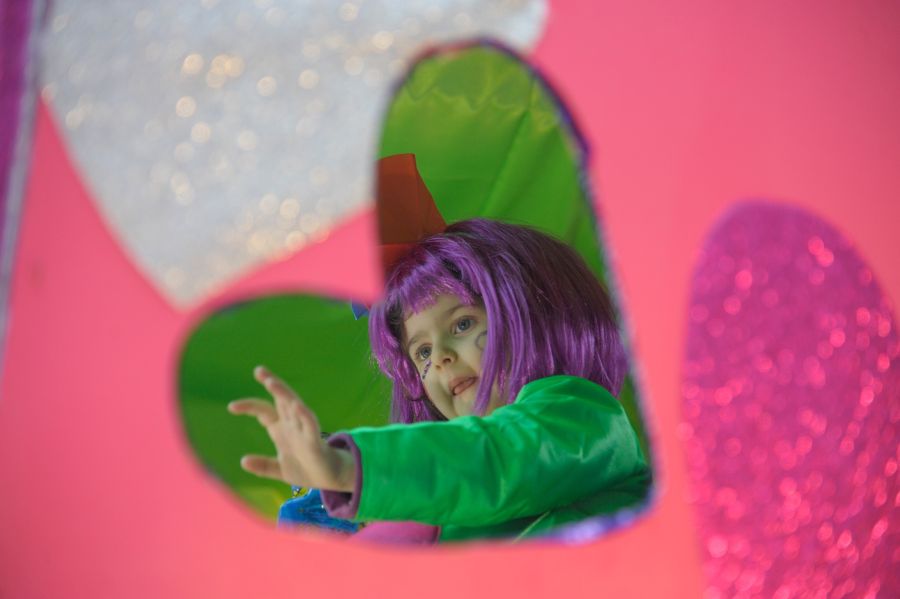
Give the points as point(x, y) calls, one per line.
point(547, 313)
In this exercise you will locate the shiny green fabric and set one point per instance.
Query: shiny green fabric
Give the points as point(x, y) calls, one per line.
point(563, 451)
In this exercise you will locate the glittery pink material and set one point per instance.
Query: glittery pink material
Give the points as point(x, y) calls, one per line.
point(791, 390)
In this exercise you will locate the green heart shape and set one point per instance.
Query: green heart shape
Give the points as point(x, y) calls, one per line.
point(491, 140)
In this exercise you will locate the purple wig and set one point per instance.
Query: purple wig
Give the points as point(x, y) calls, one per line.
point(547, 313)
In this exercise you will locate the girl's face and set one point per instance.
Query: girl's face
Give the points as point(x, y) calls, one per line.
point(446, 343)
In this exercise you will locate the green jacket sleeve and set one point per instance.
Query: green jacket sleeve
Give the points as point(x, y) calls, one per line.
point(563, 439)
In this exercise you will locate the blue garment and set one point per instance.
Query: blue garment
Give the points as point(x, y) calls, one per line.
point(306, 508)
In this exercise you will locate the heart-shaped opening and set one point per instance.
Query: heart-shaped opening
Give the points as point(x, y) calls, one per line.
point(491, 140)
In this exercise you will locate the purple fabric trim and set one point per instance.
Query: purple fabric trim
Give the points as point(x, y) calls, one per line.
point(406, 533)
point(339, 504)
point(345, 505)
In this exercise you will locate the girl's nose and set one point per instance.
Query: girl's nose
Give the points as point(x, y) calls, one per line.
point(442, 354)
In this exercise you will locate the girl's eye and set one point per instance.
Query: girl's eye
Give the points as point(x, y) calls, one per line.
point(464, 324)
point(423, 353)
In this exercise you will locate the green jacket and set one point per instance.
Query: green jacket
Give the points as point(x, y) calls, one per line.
point(562, 452)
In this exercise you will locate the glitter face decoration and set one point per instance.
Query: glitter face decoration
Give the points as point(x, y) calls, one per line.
point(218, 134)
point(792, 411)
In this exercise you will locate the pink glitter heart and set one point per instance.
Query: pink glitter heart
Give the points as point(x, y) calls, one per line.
point(791, 390)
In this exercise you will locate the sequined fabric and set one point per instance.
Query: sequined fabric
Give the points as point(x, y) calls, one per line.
point(216, 135)
point(791, 390)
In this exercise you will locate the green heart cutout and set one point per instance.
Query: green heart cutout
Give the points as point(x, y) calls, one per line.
point(491, 140)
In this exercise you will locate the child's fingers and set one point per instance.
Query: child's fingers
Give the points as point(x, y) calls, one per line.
point(283, 395)
point(263, 410)
point(262, 466)
point(274, 385)
point(306, 417)
point(261, 373)
point(277, 387)
point(279, 390)
point(287, 404)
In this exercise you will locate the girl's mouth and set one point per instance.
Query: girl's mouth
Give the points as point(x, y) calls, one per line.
point(459, 386)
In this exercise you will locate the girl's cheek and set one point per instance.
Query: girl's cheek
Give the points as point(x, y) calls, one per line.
point(481, 340)
point(433, 391)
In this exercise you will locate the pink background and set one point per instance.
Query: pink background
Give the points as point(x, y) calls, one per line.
point(688, 107)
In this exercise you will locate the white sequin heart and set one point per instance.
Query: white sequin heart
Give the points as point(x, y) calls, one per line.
point(216, 135)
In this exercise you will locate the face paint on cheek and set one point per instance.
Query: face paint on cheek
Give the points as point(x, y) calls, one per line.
point(481, 340)
point(426, 369)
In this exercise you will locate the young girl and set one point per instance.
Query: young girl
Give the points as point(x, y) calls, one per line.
point(505, 362)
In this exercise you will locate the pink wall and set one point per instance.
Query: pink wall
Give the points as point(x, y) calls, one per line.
point(688, 107)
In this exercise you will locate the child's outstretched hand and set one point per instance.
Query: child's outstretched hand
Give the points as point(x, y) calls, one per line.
point(303, 457)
